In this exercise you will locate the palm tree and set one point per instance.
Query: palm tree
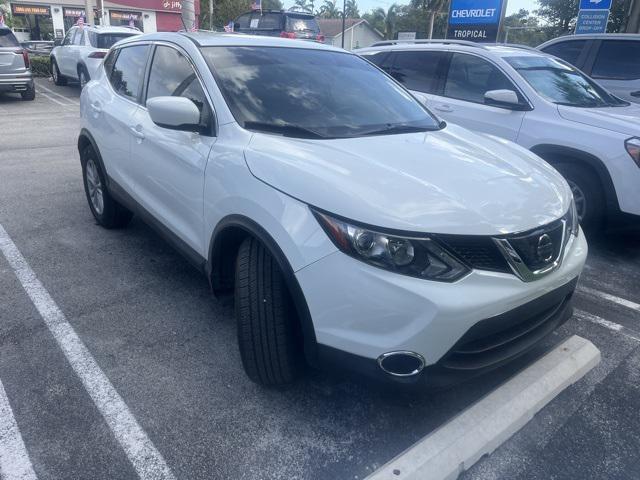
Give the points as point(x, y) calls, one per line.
point(383, 21)
point(329, 9)
point(434, 7)
point(304, 5)
point(351, 9)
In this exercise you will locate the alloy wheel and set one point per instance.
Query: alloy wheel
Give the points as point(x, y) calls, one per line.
point(579, 198)
point(94, 186)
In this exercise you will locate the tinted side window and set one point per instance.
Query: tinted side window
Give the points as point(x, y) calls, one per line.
point(617, 59)
point(68, 38)
point(172, 76)
point(470, 77)
point(7, 38)
point(375, 58)
point(109, 61)
point(128, 70)
point(569, 51)
point(418, 70)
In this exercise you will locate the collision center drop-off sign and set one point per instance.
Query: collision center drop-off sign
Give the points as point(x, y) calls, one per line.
point(475, 20)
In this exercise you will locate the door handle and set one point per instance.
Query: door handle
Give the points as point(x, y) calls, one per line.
point(95, 107)
point(443, 108)
point(137, 131)
point(635, 94)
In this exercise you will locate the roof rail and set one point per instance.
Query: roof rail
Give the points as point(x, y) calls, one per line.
point(443, 41)
point(513, 45)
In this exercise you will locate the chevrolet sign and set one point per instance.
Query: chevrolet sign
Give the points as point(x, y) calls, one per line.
point(475, 19)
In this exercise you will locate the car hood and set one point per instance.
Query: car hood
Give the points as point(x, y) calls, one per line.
point(624, 120)
point(448, 181)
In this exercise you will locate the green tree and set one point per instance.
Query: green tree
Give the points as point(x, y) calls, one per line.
point(5, 11)
point(329, 9)
point(560, 14)
point(304, 5)
point(383, 21)
point(351, 9)
point(272, 5)
point(434, 7)
point(523, 28)
point(223, 12)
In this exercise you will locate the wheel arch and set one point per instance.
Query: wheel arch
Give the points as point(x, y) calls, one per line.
point(558, 154)
point(226, 239)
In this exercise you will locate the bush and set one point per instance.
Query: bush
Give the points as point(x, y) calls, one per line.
point(40, 66)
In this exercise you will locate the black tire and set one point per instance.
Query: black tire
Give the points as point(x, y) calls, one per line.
point(58, 78)
point(112, 214)
point(82, 72)
point(29, 94)
point(588, 185)
point(268, 332)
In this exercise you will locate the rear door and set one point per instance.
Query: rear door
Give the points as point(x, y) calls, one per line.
point(169, 164)
point(11, 57)
point(462, 100)
point(111, 111)
point(616, 67)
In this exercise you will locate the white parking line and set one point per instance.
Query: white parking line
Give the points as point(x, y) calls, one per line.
point(484, 426)
point(611, 298)
point(146, 459)
point(68, 99)
point(14, 459)
point(54, 100)
point(616, 327)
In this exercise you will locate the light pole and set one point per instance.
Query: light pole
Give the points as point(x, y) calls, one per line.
point(344, 7)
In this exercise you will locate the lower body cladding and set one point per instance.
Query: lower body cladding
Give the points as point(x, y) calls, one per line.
point(394, 327)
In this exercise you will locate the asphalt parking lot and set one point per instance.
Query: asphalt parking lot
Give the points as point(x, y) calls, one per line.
point(169, 350)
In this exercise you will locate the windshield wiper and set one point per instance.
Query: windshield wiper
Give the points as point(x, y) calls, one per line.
point(393, 129)
point(285, 129)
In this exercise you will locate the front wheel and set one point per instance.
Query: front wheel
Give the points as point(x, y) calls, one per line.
point(587, 193)
point(268, 333)
point(105, 209)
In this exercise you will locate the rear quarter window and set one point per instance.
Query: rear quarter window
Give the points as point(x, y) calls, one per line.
point(270, 21)
point(299, 23)
point(7, 38)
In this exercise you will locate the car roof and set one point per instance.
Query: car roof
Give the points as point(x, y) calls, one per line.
point(496, 49)
point(592, 36)
point(212, 39)
point(109, 29)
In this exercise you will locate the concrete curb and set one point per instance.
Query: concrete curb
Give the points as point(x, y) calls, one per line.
point(484, 426)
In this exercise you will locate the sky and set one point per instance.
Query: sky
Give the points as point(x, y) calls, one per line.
point(366, 5)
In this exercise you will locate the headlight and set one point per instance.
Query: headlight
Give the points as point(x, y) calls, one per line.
point(573, 223)
point(420, 257)
point(633, 148)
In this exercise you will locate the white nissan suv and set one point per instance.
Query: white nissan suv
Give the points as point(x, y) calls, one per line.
point(538, 101)
point(352, 226)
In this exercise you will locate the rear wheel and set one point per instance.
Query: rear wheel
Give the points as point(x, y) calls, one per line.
point(58, 79)
point(29, 94)
point(268, 333)
point(587, 193)
point(83, 76)
point(107, 211)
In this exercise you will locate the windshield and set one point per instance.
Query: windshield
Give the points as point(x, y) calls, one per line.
point(7, 38)
point(313, 93)
point(299, 23)
point(107, 40)
point(560, 83)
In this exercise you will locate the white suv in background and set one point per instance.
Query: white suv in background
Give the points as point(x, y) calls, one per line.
point(536, 100)
point(81, 51)
point(352, 226)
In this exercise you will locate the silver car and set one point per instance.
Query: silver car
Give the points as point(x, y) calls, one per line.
point(15, 74)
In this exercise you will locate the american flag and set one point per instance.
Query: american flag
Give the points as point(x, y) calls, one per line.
point(256, 5)
point(229, 27)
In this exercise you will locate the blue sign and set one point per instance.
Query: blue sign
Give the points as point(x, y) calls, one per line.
point(595, 4)
point(592, 21)
point(476, 12)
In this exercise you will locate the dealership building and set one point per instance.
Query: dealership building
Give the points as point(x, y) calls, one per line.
point(51, 19)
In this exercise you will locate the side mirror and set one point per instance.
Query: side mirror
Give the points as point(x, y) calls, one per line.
point(175, 113)
point(504, 98)
point(57, 42)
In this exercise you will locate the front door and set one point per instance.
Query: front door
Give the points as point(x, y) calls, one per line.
point(169, 164)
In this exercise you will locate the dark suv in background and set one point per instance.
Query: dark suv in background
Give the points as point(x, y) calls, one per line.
point(279, 23)
point(15, 73)
point(613, 60)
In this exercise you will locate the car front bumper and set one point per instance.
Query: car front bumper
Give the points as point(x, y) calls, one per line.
point(460, 329)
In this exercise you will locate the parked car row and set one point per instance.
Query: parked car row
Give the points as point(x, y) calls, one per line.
point(352, 226)
point(536, 100)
